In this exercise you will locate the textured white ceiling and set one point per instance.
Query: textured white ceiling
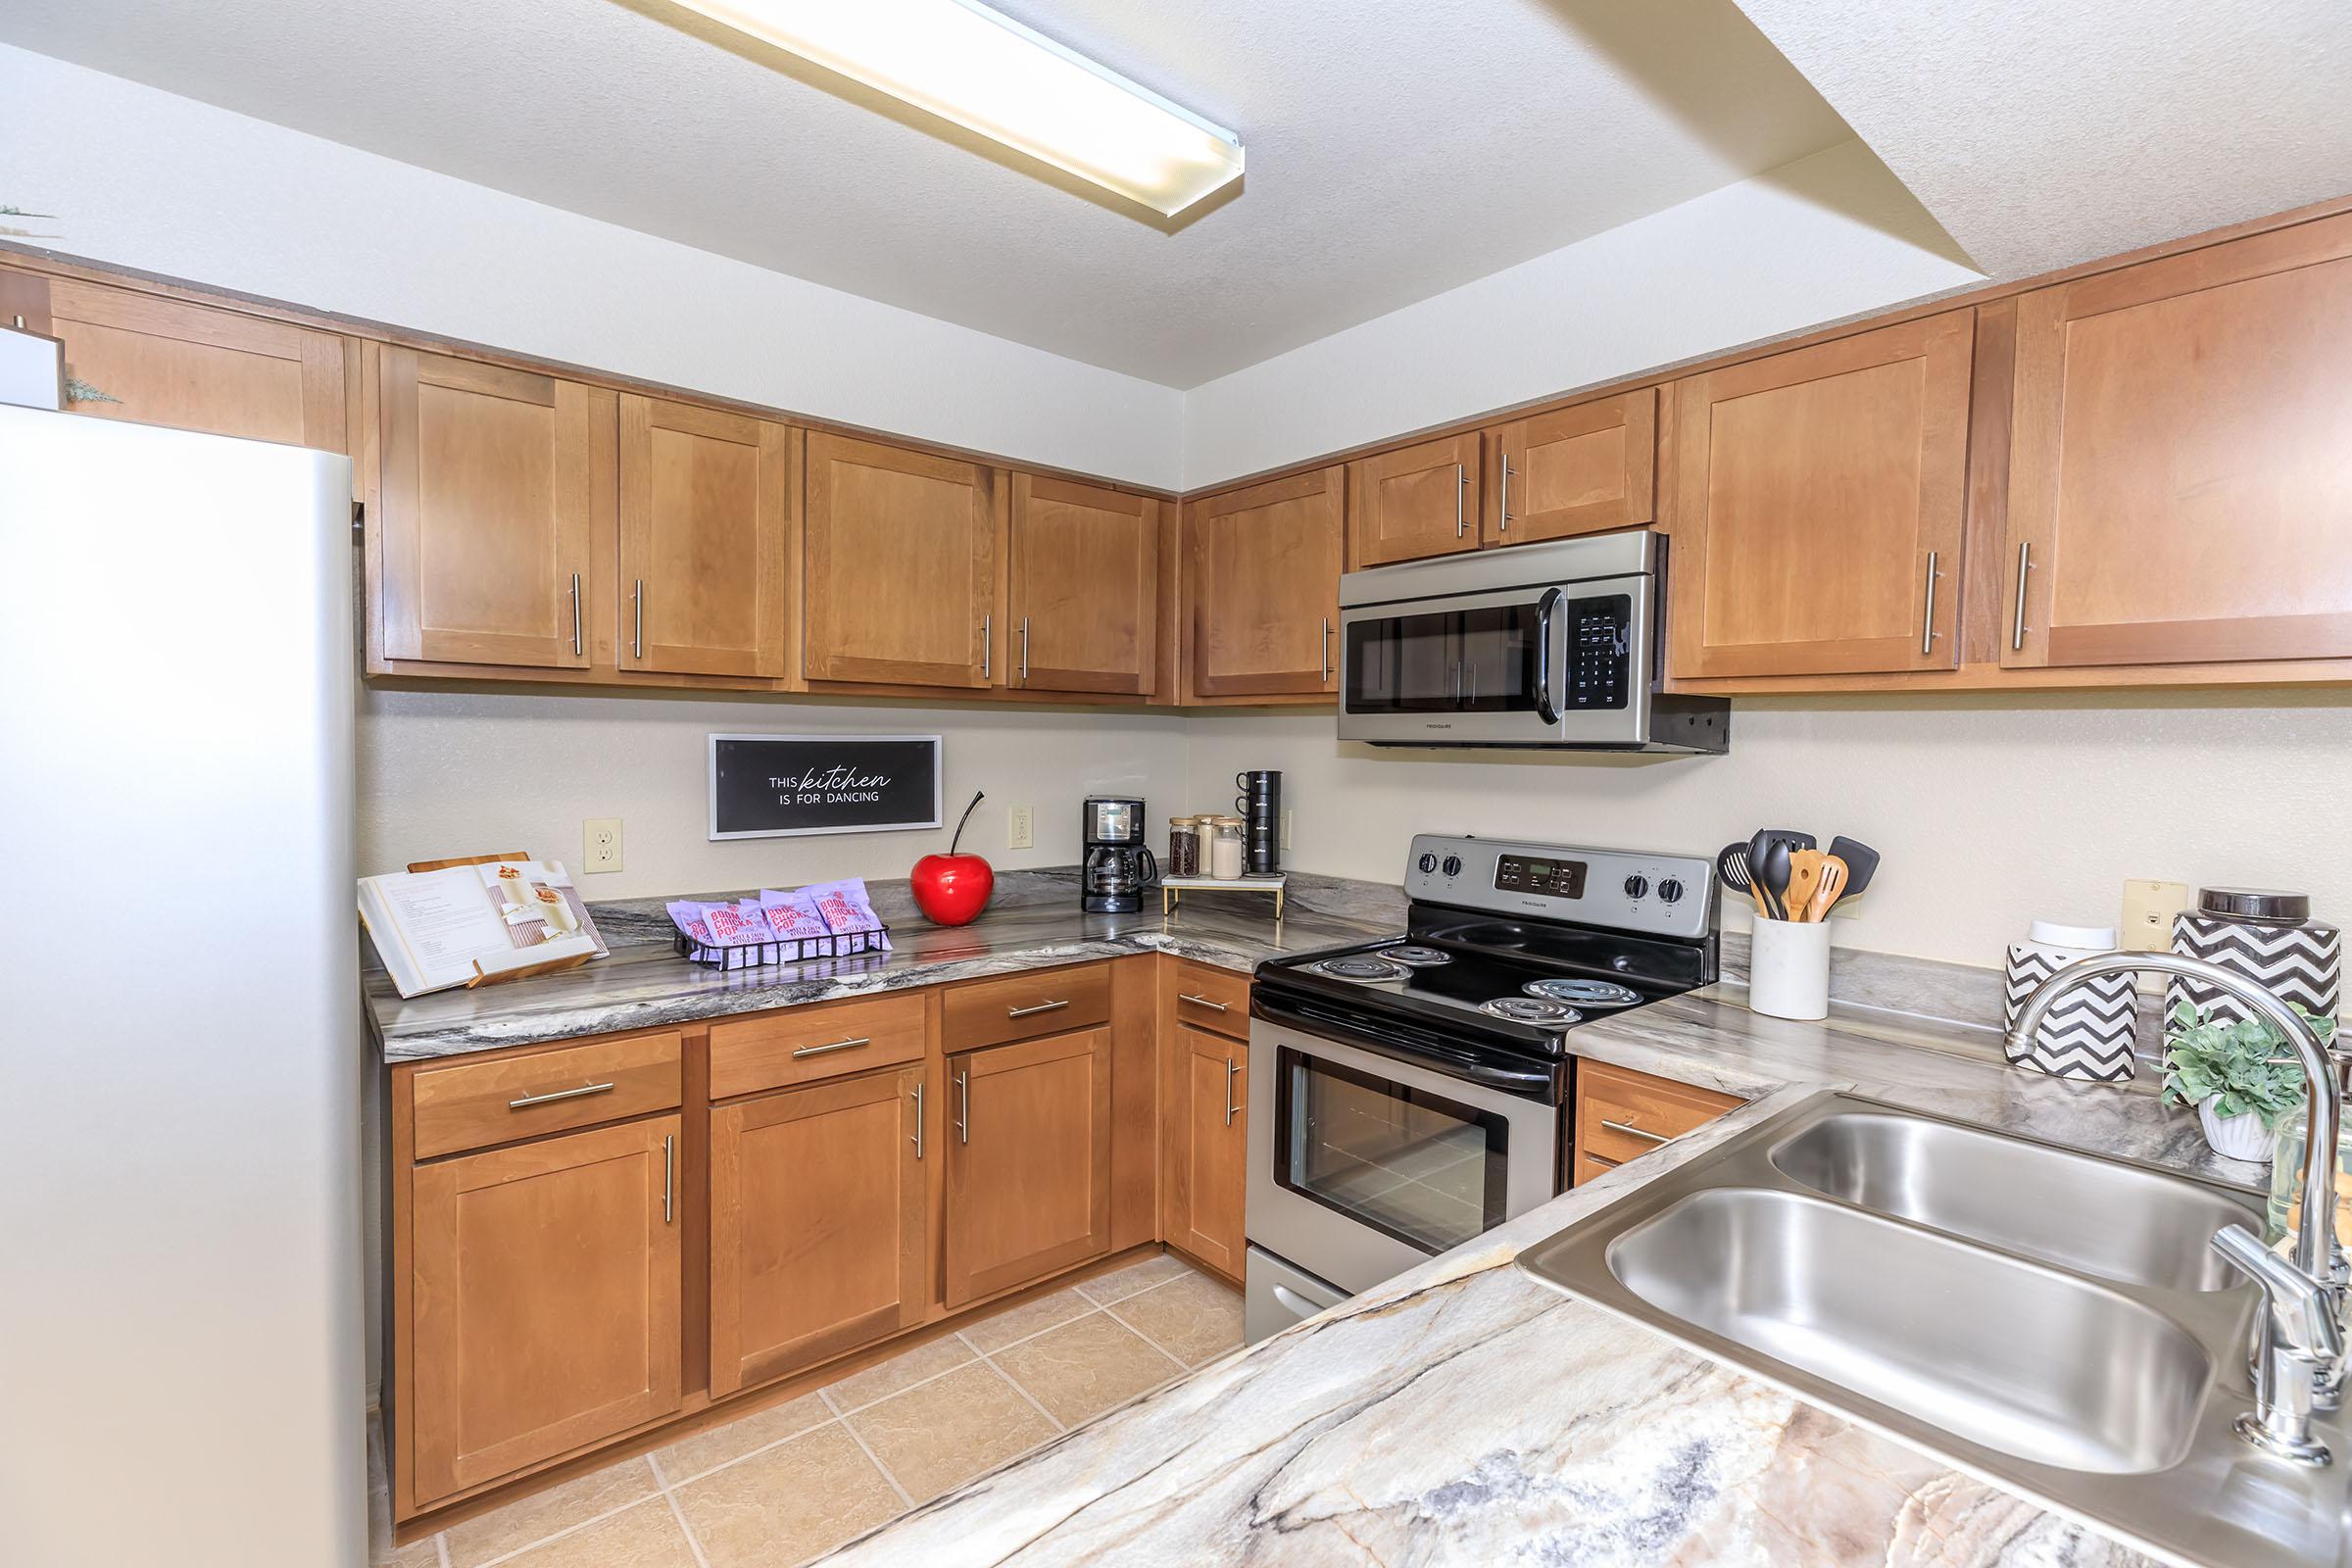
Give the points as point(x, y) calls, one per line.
point(2045, 132)
point(1396, 148)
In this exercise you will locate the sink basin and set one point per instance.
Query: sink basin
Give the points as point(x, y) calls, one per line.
point(2096, 1216)
point(1986, 1346)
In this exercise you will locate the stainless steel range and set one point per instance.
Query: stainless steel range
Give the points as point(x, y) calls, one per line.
point(1407, 1094)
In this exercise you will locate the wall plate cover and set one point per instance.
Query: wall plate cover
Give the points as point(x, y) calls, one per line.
point(1019, 834)
point(603, 853)
point(2148, 910)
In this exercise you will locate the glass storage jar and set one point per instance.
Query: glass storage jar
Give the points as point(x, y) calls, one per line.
point(1184, 847)
point(1225, 850)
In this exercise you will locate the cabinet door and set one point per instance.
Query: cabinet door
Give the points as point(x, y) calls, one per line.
point(489, 481)
point(1575, 471)
point(1413, 502)
point(1263, 591)
point(706, 568)
point(153, 361)
point(817, 1224)
point(2180, 459)
point(1028, 1161)
point(544, 1300)
point(1207, 1147)
point(900, 566)
point(1085, 587)
point(1816, 506)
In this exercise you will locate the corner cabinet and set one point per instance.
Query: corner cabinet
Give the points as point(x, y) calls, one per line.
point(1028, 1161)
point(1262, 588)
point(1085, 588)
point(707, 572)
point(1816, 500)
point(2180, 459)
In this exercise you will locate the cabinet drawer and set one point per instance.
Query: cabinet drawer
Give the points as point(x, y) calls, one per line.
point(475, 1104)
point(1645, 1111)
point(1212, 999)
point(1025, 1006)
point(805, 1043)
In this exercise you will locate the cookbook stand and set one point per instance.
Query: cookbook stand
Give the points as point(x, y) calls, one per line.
point(480, 976)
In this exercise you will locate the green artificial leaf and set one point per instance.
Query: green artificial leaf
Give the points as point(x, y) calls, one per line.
point(2242, 1065)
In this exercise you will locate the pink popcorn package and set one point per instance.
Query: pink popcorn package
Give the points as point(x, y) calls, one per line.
point(692, 918)
point(731, 926)
point(793, 916)
point(849, 914)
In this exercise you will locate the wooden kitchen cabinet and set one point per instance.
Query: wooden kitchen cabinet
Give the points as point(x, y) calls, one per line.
point(544, 1307)
point(819, 1241)
point(1261, 591)
point(1622, 1114)
point(1816, 505)
point(494, 482)
point(1207, 1147)
point(1085, 588)
point(706, 540)
point(900, 567)
point(2180, 459)
point(1413, 502)
point(1027, 1134)
point(1580, 469)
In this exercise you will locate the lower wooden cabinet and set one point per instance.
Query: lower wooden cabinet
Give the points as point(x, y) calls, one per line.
point(1622, 1114)
point(817, 1235)
point(1027, 1135)
point(544, 1300)
point(1207, 1147)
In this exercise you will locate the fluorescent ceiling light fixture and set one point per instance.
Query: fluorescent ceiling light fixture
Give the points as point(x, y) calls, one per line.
point(987, 73)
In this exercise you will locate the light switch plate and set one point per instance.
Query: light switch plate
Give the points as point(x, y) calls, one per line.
point(603, 835)
point(1285, 827)
point(1019, 831)
point(2148, 910)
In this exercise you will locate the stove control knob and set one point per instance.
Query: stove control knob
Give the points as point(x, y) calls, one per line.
point(1637, 886)
point(1427, 863)
point(1453, 865)
point(1670, 889)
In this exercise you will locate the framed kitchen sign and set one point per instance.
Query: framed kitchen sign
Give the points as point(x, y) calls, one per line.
point(779, 786)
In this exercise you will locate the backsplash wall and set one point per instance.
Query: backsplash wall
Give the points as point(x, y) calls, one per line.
point(1989, 812)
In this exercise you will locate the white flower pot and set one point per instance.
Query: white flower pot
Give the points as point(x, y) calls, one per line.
point(2239, 1137)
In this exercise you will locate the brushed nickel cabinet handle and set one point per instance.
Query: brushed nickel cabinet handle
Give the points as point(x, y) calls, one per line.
point(1043, 1007)
point(1024, 648)
point(988, 642)
point(637, 621)
point(918, 1118)
point(1231, 1110)
point(553, 1094)
point(1327, 648)
point(838, 1044)
point(1204, 1002)
point(578, 645)
point(669, 1178)
point(2016, 623)
point(1632, 1131)
point(1460, 481)
point(1504, 525)
point(963, 1116)
point(1926, 630)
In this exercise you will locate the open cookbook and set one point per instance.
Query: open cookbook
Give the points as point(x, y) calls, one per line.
point(439, 929)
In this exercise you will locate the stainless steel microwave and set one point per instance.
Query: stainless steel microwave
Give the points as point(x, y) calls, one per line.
point(1551, 645)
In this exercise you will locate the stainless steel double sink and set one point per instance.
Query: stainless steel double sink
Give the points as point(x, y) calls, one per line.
point(2054, 1321)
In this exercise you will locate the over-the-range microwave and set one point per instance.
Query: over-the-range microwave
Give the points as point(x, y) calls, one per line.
point(1550, 645)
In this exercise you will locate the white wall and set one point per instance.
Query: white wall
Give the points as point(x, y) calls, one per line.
point(146, 179)
point(1829, 236)
point(1990, 813)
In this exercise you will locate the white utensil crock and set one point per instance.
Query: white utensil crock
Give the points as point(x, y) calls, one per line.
point(1789, 968)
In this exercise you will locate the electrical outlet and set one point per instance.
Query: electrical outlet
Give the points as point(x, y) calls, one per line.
point(2148, 910)
point(1285, 827)
point(1020, 832)
point(603, 844)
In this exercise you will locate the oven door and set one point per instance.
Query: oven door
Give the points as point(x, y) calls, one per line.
point(1568, 664)
point(1362, 1165)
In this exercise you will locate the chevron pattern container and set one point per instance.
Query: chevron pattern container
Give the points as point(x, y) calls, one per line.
point(2087, 1034)
point(2267, 937)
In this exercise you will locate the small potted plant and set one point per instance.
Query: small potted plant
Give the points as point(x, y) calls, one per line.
point(2239, 1075)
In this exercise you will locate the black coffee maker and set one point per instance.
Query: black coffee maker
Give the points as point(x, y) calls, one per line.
point(1118, 868)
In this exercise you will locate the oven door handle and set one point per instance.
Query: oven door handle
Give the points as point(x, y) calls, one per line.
point(1533, 1082)
point(1546, 709)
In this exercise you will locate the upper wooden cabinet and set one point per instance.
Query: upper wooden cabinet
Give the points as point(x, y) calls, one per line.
point(1262, 590)
point(1815, 502)
point(155, 360)
point(1208, 1147)
point(706, 540)
point(2180, 459)
point(1085, 588)
point(900, 566)
point(493, 481)
point(1578, 470)
point(1413, 502)
point(1028, 1141)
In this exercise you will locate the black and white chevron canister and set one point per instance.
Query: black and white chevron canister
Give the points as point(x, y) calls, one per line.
point(2087, 1034)
point(2302, 963)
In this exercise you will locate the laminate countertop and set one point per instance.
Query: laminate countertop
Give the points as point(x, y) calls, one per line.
point(1033, 922)
point(1464, 1413)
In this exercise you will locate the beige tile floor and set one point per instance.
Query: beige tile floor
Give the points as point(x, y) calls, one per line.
point(794, 1481)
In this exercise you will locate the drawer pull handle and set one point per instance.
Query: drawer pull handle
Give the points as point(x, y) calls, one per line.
point(918, 1118)
point(553, 1094)
point(963, 1118)
point(1231, 1110)
point(838, 1044)
point(1043, 1007)
point(669, 1179)
point(1630, 1131)
point(1204, 1002)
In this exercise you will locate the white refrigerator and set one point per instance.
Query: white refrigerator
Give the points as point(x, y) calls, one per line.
point(180, 1369)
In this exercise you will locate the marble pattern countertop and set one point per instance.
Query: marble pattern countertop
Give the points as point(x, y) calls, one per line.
point(1464, 1413)
point(1033, 922)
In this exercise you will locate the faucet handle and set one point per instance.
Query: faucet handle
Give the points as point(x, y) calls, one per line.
point(2298, 1304)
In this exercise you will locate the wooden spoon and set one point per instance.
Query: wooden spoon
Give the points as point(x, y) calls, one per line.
point(1804, 880)
point(1830, 890)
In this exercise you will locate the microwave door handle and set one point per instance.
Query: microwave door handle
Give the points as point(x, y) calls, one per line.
point(1545, 707)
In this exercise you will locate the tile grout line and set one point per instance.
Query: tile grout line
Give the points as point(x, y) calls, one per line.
point(441, 1546)
point(1182, 1365)
point(693, 1545)
point(905, 1496)
point(577, 1525)
point(748, 1454)
point(1014, 1383)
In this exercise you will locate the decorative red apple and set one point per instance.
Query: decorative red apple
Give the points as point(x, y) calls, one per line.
point(953, 889)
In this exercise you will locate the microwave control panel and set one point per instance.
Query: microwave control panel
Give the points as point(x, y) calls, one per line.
point(1601, 654)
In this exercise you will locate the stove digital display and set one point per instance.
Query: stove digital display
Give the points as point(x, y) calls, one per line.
point(1525, 873)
